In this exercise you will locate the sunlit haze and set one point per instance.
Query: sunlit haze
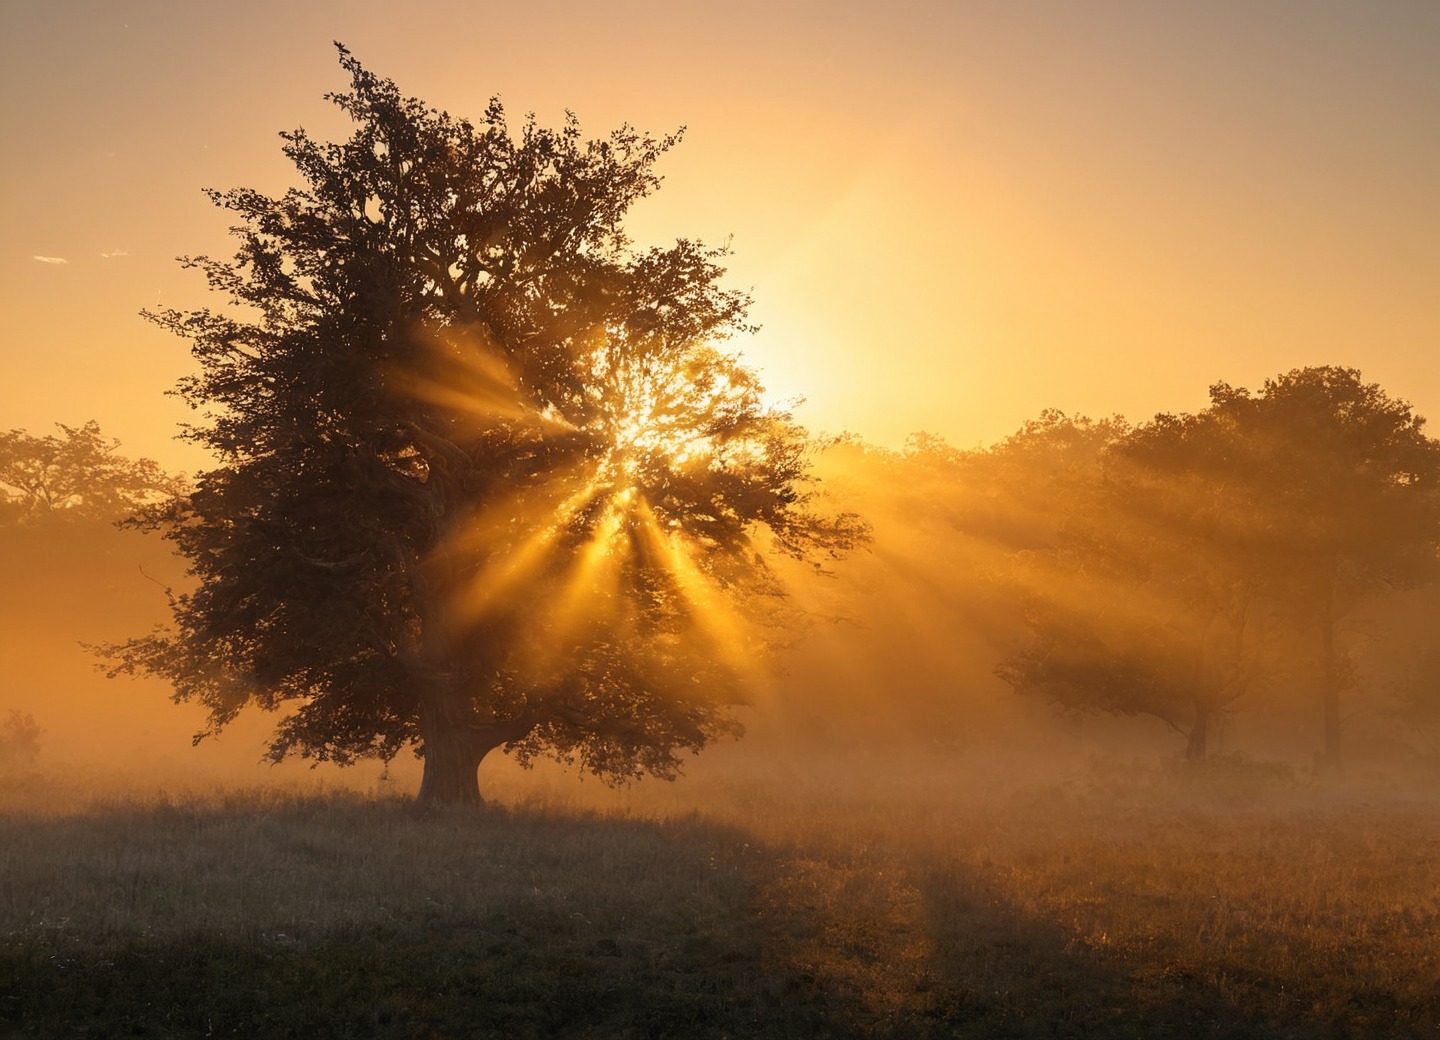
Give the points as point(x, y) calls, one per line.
point(950, 215)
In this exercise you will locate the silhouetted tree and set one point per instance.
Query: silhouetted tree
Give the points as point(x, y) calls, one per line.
point(1417, 706)
point(1347, 486)
point(483, 478)
point(20, 741)
point(1154, 601)
point(76, 475)
point(1208, 531)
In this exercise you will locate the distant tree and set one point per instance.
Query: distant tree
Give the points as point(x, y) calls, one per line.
point(484, 477)
point(76, 475)
point(1348, 485)
point(20, 742)
point(1154, 602)
point(1208, 531)
point(1008, 505)
point(1417, 704)
point(1022, 492)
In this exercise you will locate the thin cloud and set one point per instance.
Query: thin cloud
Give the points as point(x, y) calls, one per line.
point(114, 253)
point(51, 259)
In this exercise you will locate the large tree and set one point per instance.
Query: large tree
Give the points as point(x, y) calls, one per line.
point(485, 477)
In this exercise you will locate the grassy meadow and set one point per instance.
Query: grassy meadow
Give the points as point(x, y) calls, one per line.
point(844, 896)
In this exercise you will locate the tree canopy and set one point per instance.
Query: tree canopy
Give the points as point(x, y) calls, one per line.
point(77, 474)
point(1149, 598)
point(485, 474)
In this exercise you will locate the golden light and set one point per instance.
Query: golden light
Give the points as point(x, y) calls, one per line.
point(648, 407)
point(570, 547)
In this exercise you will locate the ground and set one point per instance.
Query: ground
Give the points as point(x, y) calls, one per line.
point(839, 896)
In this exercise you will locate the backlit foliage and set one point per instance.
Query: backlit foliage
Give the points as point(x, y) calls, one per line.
point(485, 474)
point(77, 474)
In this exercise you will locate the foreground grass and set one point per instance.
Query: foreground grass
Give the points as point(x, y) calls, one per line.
point(775, 906)
point(334, 917)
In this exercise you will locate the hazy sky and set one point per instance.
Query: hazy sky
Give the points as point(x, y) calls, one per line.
point(951, 215)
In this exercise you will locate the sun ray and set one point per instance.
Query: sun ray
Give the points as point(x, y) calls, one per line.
point(505, 568)
point(728, 635)
point(588, 592)
point(574, 555)
point(465, 375)
point(592, 581)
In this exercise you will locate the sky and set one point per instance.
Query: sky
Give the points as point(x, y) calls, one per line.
point(950, 215)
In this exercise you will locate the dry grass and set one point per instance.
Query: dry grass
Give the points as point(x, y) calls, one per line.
point(826, 898)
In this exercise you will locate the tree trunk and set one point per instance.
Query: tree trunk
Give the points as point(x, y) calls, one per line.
point(452, 762)
point(457, 738)
point(1329, 759)
point(456, 743)
point(1197, 738)
point(453, 749)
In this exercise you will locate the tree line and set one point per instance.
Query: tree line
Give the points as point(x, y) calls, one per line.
point(1182, 566)
point(76, 474)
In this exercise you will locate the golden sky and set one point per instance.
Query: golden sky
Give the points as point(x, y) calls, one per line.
point(951, 215)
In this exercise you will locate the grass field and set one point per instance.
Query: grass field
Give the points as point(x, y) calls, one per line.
point(825, 898)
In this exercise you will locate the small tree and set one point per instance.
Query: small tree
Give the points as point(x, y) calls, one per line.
point(20, 741)
point(76, 475)
point(1146, 602)
point(485, 478)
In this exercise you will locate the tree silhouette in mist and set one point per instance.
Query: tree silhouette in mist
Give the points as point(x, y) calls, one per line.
point(1348, 486)
point(1151, 599)
point(1204, 536)
point(76, 475)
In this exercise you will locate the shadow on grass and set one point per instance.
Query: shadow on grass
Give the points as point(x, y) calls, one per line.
point(335, 918)
point(344, 918)
point(944, 955)
point(1007, 973)
point(878, 949)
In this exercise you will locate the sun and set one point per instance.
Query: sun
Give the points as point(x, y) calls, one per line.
point(657, 412)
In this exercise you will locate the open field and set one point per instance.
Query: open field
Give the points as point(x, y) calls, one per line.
point(820, 899)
